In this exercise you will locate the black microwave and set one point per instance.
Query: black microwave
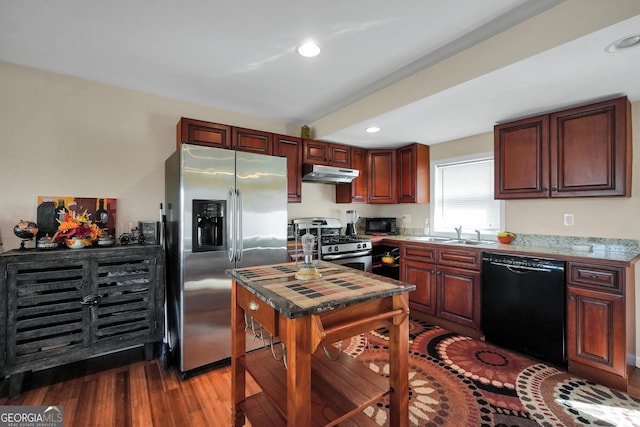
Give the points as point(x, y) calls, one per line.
point(383, 226)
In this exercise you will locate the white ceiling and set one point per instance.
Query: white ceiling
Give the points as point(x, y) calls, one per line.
point(240, 56)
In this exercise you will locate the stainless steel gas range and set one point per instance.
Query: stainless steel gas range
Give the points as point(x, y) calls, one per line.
point(352, 251)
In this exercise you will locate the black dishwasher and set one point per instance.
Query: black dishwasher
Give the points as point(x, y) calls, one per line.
point(523, 305)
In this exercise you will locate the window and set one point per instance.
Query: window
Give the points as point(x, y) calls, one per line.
point(463, 196)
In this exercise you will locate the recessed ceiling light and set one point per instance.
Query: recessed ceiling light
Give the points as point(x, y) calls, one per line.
point(624, 43)
point(372, 129)
point(309, 49)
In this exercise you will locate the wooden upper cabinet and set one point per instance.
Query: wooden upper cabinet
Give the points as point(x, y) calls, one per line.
point(356, 191)
point(413, 174)
point(203, 133)
point(252, 141)
point(591, 150)
point(580, 152)
point(291, 148)
point(521, 153)
point(315, 152)
point(382, 176)
point(326, 153)
point(339, 155)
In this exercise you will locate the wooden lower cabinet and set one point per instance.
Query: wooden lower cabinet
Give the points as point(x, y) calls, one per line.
point(447, 282)
point(601, 325)
point(601, 322)
point(458, 293)
point(423, 276)
point(596, 330)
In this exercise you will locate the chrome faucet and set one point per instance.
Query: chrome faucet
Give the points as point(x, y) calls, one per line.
point(478, 233)
point(459, 231)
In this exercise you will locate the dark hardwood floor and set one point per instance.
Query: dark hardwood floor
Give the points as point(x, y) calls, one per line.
point(123, 389)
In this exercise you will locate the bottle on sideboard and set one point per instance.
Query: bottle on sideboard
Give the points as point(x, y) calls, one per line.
point(102, 216)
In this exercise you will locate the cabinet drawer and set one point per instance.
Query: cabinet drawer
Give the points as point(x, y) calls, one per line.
point(258, 309)
point(463, 258)
point(422, 253)
point(598, 276)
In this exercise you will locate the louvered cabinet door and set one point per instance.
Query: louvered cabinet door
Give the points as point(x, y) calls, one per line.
point(46, 318)
point(125, 307)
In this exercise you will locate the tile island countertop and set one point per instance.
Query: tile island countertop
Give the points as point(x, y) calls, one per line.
point(338, 287)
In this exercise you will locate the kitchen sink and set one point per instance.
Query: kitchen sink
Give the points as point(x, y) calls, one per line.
point(469, 242)
point(429, 238)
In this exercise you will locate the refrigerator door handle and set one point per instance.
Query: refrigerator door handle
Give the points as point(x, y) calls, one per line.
point(239, 241)
point(231, 226)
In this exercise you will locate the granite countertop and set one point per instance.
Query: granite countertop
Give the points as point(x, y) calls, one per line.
point(563, 247)
point(338, 287)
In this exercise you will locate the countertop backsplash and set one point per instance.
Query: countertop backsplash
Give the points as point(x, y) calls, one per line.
point(569, 243)
point(589, 243)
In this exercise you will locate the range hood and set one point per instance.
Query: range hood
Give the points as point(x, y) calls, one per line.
point(328, 174)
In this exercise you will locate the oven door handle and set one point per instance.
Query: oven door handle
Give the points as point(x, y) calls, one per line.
point(343, 256)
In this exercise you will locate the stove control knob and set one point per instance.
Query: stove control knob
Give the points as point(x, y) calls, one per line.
point(329, 249)
point(359, 246)
point(335, 249)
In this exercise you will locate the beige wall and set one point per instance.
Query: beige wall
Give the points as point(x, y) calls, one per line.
point(70, 137)
point(66, 136)
point(594, 216)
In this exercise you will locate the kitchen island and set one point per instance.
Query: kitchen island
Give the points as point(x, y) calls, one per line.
point(305, 381)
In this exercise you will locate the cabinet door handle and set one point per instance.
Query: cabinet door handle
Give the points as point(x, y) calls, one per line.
point(544, 189)
point(90, 300)
point(554, 189)
point(253, 306)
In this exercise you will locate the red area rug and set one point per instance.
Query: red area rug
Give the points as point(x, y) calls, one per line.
point(459, 381)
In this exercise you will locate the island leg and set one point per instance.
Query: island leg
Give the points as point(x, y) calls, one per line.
point(298, 344)
point(238, 348)
point(399, 364)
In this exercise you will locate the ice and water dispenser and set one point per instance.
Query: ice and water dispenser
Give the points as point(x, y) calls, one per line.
point(208, 225)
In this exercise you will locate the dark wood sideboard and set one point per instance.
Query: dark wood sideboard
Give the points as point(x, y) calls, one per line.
point(65, 305)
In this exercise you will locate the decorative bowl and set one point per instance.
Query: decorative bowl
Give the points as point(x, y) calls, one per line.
point(77, 243)
point(505, 239)
point(46, 243)
point(106, 241)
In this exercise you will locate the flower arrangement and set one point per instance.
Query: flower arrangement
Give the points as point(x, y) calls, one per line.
point(77, 227)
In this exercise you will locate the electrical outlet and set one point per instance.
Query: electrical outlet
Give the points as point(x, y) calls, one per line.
point(568, 219)
point(406, 219)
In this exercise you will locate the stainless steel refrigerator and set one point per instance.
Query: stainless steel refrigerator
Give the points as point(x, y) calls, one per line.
point(224, 209)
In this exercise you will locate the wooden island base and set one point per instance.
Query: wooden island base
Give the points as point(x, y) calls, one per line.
point(313, 390)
